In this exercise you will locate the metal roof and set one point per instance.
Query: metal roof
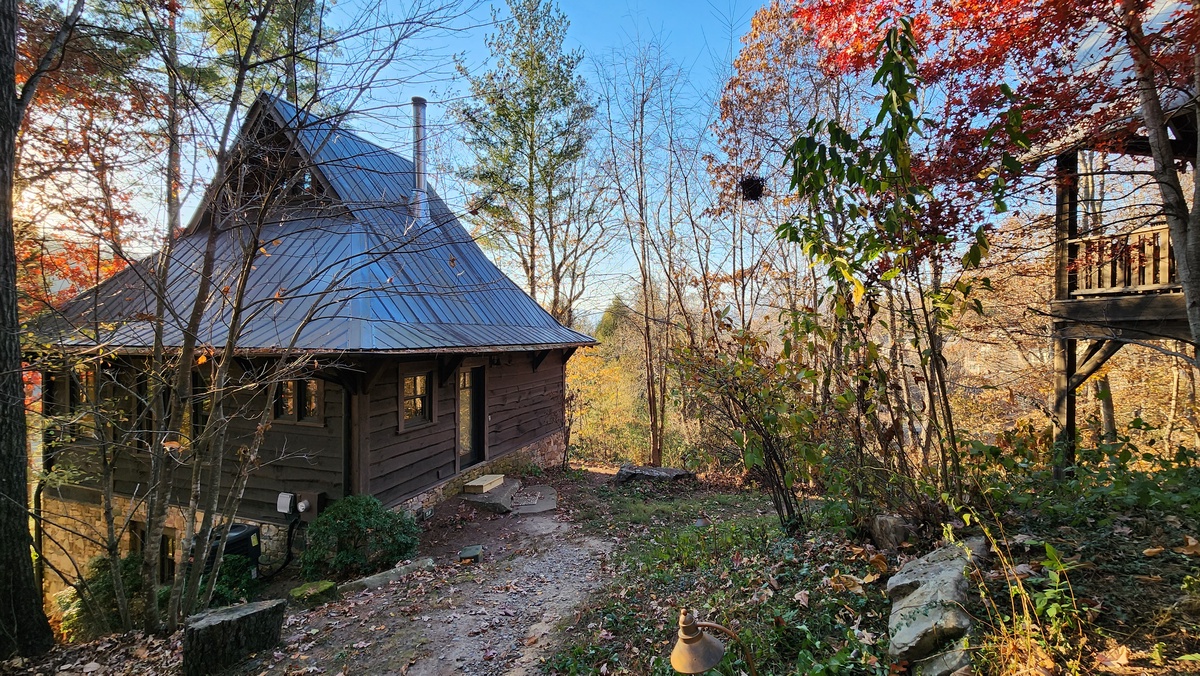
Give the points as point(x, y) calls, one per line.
point(358, 275)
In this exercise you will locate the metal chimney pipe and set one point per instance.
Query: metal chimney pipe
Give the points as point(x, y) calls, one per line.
point(418, 196)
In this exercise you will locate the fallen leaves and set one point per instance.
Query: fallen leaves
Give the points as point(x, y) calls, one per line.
point(844, 582)
point(879, 563)
point(1191, 546)
point(1113, 658)
point(1153, 551)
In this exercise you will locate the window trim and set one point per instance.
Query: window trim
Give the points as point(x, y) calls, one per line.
point(431, 396)
point(298, 393)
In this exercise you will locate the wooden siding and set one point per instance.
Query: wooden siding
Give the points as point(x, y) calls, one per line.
point(405, 461)
point(522, 406)
point(295, 458)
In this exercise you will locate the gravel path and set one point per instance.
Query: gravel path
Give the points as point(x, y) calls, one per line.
point(498, 617)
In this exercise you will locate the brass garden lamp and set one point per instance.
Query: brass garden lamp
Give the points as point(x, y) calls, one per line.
point(697, 651)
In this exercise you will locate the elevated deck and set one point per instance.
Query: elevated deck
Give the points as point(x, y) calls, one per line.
point(1121, 286)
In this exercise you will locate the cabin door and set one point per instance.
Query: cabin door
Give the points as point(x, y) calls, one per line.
point(471, 417)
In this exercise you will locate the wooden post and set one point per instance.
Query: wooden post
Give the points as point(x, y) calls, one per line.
point(1064, 401)
point(1066, 228)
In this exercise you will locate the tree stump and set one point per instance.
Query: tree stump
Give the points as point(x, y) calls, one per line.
point(218, 639)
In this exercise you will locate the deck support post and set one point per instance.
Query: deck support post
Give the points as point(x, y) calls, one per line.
point(1064, 402)
point(1066, 229)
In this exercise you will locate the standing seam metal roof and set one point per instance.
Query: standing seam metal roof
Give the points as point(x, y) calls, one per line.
point(361, 275)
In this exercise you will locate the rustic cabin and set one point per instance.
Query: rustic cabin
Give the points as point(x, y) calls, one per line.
point(423, 364)
point(1115, 266)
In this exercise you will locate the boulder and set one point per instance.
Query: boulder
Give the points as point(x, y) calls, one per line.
point(314, 594)
point(888, 531)
point(546, 500)
point(497, 500)
point(220, 638)
point(387, 576)
point(634, 472)
point(950, 662)
point(927, 598)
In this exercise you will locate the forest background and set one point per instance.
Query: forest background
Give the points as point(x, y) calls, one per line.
point(820, 322)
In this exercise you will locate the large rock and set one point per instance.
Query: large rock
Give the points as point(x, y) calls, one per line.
point(313, 594)
point(218, 639)
point(927, 598)
point(888, 531)
point(632, 472)
point(950, 662)
point(497, 500)
point(387, 576)
point(547, 500)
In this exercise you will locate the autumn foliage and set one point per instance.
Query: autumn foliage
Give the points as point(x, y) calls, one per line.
point(1068, 63)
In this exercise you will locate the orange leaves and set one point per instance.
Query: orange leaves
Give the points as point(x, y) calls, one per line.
point(1191, 546)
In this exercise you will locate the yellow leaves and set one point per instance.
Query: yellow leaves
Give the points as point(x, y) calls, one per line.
point(846, 582)
point(201, 359)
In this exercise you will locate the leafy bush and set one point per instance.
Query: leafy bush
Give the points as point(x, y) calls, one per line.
point(94, 613)
point(357, 536)
point(235, 581)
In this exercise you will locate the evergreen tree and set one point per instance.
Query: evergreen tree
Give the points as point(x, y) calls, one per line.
point(528, 129)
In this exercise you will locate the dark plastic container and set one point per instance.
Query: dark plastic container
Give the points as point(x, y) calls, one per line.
point(244, 541)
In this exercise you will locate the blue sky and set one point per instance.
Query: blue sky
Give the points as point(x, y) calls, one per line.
point(701, 37)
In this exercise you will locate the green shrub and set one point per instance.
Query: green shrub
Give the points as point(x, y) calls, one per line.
point(84, 619)
point(235, 581)
point(357, 536)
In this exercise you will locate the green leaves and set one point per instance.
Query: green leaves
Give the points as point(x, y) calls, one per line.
point(862, 201)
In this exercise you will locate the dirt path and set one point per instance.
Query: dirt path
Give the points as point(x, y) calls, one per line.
point(497, 617)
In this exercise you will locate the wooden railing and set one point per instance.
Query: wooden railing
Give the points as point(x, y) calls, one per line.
point(1142, 261)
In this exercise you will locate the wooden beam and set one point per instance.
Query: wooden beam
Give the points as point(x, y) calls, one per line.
point(1097, 354)
point(360, 438)
point(371, 372)
point(1064, 404)
point(447, 366)
point(1066, 221)
point(539, 357)
point(567, 353)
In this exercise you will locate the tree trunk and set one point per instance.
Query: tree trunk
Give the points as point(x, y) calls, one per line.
point(1184, 224)
point(1108, 418)
point(23, 625)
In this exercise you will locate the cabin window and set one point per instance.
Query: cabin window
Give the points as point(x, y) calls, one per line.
point(201, 403)
point(166, 550)
point(69, 397)
point(415, 401)
point(300, 401)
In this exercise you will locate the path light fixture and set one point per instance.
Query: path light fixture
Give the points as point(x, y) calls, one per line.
point(697, 651)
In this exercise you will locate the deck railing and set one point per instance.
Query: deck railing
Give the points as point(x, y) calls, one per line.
point(1142, 261)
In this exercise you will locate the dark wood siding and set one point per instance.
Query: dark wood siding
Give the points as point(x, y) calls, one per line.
point(294, 458)
point(523, 405)
point(408, 461)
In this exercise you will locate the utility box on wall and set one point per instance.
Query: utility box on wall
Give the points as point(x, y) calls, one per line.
point(310, 505)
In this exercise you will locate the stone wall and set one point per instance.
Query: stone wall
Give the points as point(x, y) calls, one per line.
point(545, 452)
point(75, 529)
point(75, 519)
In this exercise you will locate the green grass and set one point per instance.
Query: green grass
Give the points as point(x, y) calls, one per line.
point(739, 571)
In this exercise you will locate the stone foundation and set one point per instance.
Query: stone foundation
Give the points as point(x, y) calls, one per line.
point(545, 452)
point(75, 519)
point(74, 530)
